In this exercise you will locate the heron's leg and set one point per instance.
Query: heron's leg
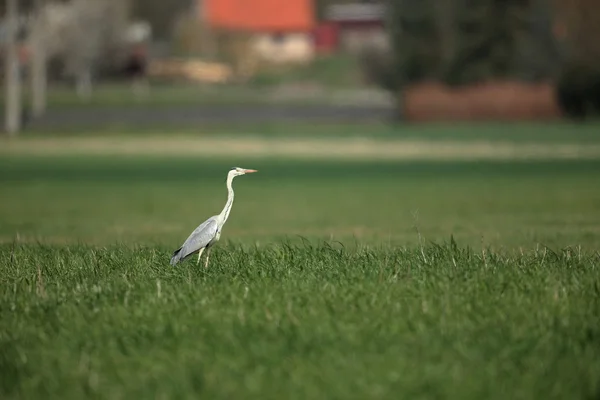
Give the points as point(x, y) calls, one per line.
point(200, 255)
point(207, 256)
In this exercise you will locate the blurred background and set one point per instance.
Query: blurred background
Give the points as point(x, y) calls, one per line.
point(408, 60)
point(309, 92)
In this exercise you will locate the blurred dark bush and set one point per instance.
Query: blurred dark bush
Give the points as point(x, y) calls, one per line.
point(378, 68)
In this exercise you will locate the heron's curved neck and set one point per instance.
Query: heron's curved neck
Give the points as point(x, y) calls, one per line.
point(225, 213)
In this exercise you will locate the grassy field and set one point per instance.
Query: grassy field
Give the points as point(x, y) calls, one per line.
point(268, 91)
point(159, 95)
point(371, 279)
point(584, 134)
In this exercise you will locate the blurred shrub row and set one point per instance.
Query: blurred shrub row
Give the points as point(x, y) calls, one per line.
point(460, 42)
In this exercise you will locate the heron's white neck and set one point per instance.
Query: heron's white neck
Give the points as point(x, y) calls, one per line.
point(225, 213)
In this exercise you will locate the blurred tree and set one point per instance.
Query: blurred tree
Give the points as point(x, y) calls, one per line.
point(161, 14)
point(38, 66)
point(459, 41)
point(24, 6)
point(93, 28)
point(539, 53)
point(578, 27)
point(488, 33)
point(415, 40)
point(377, 66)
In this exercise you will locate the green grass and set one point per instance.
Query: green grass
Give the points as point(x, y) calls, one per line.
point(338, 71)
point(116, 95)
point(563, 132)
point(121, 94)
point(105, 200)
point(332, 280)
point(299, 322)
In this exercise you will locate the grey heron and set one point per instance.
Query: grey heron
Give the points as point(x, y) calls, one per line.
point(209, 232)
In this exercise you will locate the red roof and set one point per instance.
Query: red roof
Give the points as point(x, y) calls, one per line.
point(261, 15)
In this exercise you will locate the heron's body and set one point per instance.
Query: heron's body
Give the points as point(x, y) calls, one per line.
point(209, 232)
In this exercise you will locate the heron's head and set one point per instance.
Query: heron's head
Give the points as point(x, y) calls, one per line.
point(237, 171)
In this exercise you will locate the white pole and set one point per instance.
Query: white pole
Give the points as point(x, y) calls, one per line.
point(13, 75)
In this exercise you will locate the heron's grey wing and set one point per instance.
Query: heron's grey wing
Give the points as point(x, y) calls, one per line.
point(199, 238)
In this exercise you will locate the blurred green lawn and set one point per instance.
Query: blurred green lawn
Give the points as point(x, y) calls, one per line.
point(103, 200)
point(121, 94)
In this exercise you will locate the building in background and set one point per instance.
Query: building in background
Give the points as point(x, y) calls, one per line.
point(351, 28)
point(280, 31)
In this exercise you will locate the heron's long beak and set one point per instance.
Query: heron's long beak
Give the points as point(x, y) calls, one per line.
point(249, 171)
